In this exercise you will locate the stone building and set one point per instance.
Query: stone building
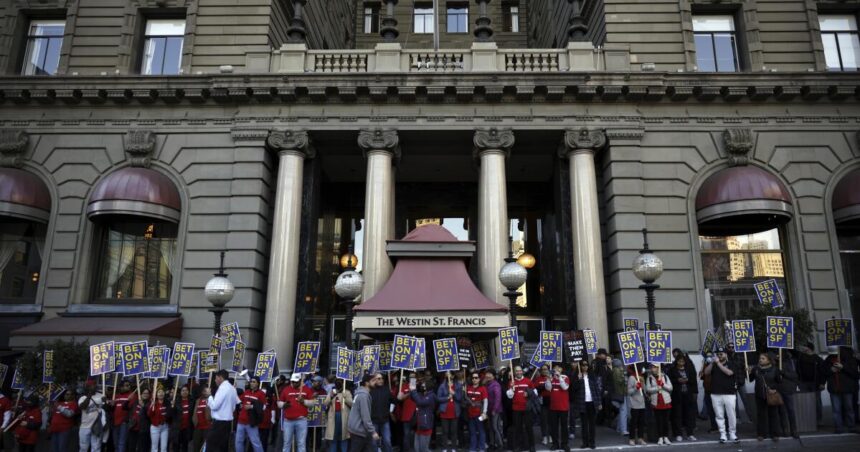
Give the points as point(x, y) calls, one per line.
point(140, 138)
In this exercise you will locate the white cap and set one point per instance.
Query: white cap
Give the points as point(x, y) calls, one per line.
point(296, 377)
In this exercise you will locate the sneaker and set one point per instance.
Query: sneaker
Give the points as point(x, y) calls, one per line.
point(660, 442)
point(641, 442)
point(678, 439)
point(722, 439)
point(544, 441)
point(631, 442)
point(666, 441)
point(736, 440)
point(691, 438)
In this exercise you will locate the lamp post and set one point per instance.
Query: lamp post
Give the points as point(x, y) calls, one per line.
point(348, 286)
point(219, 291)
point(512, 276)
point(648, 267)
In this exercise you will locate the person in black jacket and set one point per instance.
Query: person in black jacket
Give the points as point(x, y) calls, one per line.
point(601, 370)
point(381, 399)
point(787, 388)
point(809, 374)
point(841, 373)
point(767, 378)
point(685, 393)
point(587, 401)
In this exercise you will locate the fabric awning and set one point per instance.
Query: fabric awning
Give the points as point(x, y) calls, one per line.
point(23, 195)
point(744, 198)
point(98, 329)
point(846, 198)
point(136, 191)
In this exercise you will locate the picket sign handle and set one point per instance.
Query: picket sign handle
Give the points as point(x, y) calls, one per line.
point(175, 390)
point(104, 386)
point(746, 364)
point(49, 392)
point(534, 373)
point(115, 380)
point(18, 399)
point(780, 359)
point(209, 383)
point(636, 369)
point(137, 383)
point(512, 373)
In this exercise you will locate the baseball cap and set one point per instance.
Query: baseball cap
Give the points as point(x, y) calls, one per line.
point(318, 378)
point(296, 377)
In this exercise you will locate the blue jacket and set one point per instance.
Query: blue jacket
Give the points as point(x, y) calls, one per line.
point(424, 412)
point(442, 397)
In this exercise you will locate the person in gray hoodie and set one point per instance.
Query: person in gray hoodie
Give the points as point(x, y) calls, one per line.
point(362, 433)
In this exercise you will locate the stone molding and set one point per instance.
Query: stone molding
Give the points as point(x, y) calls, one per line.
point(379, 140)
point(739, 142)
point(493, 139)
point(295, 141)
point(584, 139)
point(139, 145)
point(13, 143)
point(240, 135)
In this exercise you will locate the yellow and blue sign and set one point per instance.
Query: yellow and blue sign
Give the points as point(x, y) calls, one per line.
point(659, 347)
point(48, 366)
point(743, 336)
point(656, 326)
point(839, 332)
point(590, 337)
point(264, 369)
point(481, 352)
point(709, 343)
point(421, 351)
point(345, 358)
point(4, 369)
point(385, 351)
point(631, 347)
point(208, 362)
point(404, 355)
point(550, 347)
point(135, 358)
point(631, 324)
point(158, 361)
point(181, 359)
point(307, 357)
point(102, 358)
point(446, 353)
point(230, 334)
point(780, 332)
point(535, 360)
point(315, 413)
point(768, 293)
point(509, 340)
point(17, 380)
point(238, 356)
point(215, 345)
point(369, 359)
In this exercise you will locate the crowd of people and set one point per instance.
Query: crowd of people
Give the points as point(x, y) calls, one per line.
point(510, 408)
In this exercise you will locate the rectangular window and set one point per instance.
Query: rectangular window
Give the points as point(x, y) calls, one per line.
point(44, 41)
point(162, 46)
point(371, 18)
point(716, 43)
point(423, 18)
point(458, 17)
point(511, 18)
point(136, 261)
point(841, 43)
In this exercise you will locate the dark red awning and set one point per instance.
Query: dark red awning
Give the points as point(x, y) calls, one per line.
point(846, 198)
point(23, 195)
point(750, 193)
point(136, 191)
point(98, 329)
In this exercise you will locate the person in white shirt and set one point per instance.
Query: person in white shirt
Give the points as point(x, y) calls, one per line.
point(587, 402)
point(89, 437)
point(221, 405)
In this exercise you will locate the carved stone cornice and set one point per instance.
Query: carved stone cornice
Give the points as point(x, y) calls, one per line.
point(379, 140)
point(296, 141)
point(738, 142)
point(248, 135)
point(493, 139)
point(13, 143)
point(583, 139)
point(139, 145)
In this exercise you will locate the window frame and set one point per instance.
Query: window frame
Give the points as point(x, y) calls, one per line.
point(510, 17)
point(375, 17)
point(836, 34)
point(456, 6)
point(432, 15)
point(735, 38)
point(145, 38)
point(24, 47)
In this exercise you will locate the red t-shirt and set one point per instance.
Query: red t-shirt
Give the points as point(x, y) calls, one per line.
point(200, 412)
point(122, 402)
point(135, 417)
point(5, 405)
point(539, 384)
point(450, 410)
point(518, 403)
point(59, 422)
point(295, 409)
point(157, 413)
point(408, 406)
point(248, 398)
point(268, 410)
point(25, 435)
point(185, 414)
point(476, 395)
point(559, 399)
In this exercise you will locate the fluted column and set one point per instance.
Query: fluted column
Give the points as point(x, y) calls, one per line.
point(292, 147)
point(380, 147)
point(579, 148)
point(492, 147)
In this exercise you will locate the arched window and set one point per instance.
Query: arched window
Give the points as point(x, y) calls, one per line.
point(846, 214)
point(741, 212)
point(136, 213)
point(25, 206)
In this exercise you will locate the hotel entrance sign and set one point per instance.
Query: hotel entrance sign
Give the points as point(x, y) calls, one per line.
point(442, 321)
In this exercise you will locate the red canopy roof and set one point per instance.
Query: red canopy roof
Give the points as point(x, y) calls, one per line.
point(429, 284)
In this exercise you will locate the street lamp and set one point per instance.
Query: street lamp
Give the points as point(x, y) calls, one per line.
point(348, 286)
point(648, 267)
point(219, 291)
point(512, 276)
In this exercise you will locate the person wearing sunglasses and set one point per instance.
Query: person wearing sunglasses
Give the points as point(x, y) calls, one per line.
point(476, 395)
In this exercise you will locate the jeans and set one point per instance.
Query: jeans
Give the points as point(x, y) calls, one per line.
point(60, 441)
point(252, 433)
point(120, 437)
point(88, 441)
point(724, 407)
point(812, 387)
point(477, 435)
point(544, 419)
point(708, 408)
point(495, 436)
point(297, 428)
point(422, 443)
point(198, 438)
point(449, 434)
point(158, 434)
point(558, 429)
point(408, 437)
point(384, 430)
point(786, 413)
point(361, 443)
point(623, 412)
point(843, 411)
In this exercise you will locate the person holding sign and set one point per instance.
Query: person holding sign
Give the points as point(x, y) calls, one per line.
point(221, 406)
point(251, 405)
point(559, 406)
point(62, 421)
point(521, 417)
point(159, 421)
point(27, 430)
point(841, 373)
point(587, 401)
point(767, 378)
point(724, 386)
point(476, 396)
point(295, 399)
point(659, 390)
point(91, 406)
point(202, 419)
point(449, 397)
point(407, 410)
point(183, 411)
point(120, 406)
point(338, 402)
point(635, 385)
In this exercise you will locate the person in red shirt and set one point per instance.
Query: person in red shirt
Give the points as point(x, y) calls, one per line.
point(540, 382)
point(559, 405)
point(521, 418)
point(120, 404)
point(6, 411)
point(202, 419)
point(476, 395)
point(62, 421)
point(407, 411)
point(659, 388)
point(449, 396)
point(159, 420)
point(268, 420)
point(182, 414)
point(295, 399)
point(251, 408)
point(27, 429)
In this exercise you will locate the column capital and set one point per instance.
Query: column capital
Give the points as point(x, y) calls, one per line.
point(379, 140)
point(583, 139)
point(295, 141)
point(493, 139)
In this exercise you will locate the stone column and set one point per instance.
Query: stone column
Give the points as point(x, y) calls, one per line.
point(492, 146)
point(292, 148)
point(580, 147)
point(380, 148)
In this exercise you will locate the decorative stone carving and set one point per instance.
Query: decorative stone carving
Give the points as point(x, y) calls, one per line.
point(494, 139)
point(296, 32)
point(739, 142)
point(388, 26)
point(139, 145)
point(13, 143)
point(483, 28)
point(379, 139)
point(583, 139)
point(291, 140)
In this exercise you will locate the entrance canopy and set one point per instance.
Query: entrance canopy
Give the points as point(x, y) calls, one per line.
point(430, 290)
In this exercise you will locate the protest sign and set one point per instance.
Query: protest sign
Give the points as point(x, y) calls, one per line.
point(238, 357)
point(315, 413)
point(464, 352)
point(385, 351)
point(659, 348)
point(837, 332)
point(550, 346)
point(574, 345)
point(509, 344)
point(102, 358)
point(135, 358)
point(481, 353)
point(445, 350)
point(4, 369)
point(307, 357)
point(780, 332)
point(743, 336)
point(631, 324)
point(344, 363)
point(195, 367)
point(117, 348)
point(710, 342)
point(264, 368)
point(215, 345)
point(590, 337)
point(369, 359)
point(180, 359)
point(421, 350)
point(356, 372)
point(631, 347)
point(158, 361)
point(208, 362)
point(535, 360)
point(48, 366)
point(17, 379)
point(768, 292)
point(654, 327)
point(404, 350)
point(230, 335)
